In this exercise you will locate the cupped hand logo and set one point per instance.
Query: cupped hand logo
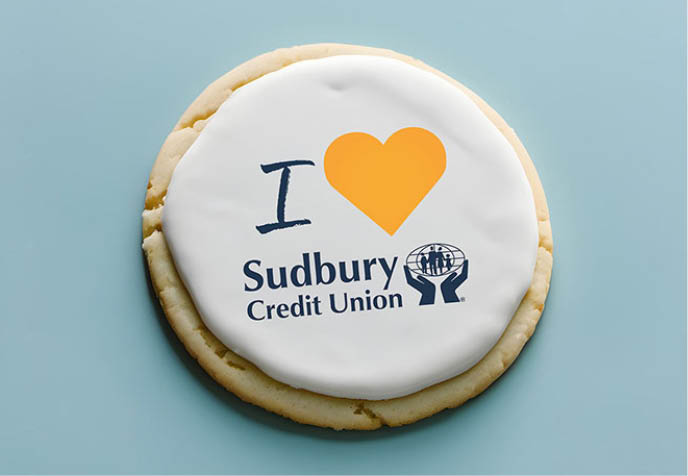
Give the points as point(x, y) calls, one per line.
point(427, 288)
point(434, 260)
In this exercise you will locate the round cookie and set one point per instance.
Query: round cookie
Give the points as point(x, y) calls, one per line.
point(245, 379)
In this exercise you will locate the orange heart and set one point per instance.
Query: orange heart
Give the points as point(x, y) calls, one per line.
point(385, 181)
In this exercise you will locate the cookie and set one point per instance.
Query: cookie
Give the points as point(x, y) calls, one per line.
point(347, 237)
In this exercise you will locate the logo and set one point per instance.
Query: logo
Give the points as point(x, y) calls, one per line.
point(428, 262)
point(424, 266)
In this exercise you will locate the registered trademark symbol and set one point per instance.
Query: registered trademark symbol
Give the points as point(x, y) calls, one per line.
point(463, 299)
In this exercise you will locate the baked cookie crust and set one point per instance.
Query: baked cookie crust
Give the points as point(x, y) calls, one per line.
point(243, 378)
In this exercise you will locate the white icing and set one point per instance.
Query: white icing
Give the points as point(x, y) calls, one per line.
point(482, 204)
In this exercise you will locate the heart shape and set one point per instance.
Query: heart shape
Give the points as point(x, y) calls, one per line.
point(385, 181)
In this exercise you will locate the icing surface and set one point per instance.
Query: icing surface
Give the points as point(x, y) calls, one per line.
point(391, 167)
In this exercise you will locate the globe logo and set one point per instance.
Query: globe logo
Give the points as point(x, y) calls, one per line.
point(435, 259)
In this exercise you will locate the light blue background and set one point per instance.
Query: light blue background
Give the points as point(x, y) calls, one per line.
point(93, 380)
